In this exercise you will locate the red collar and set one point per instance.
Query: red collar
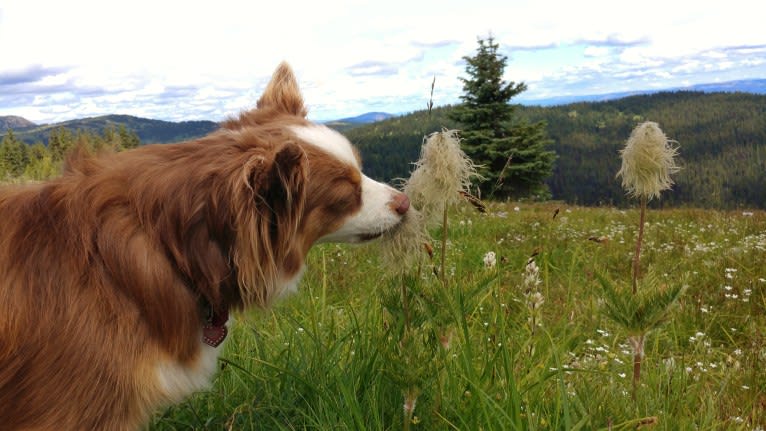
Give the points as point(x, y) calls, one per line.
point(214, 331)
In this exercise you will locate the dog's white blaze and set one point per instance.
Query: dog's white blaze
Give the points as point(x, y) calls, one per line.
point(328, 140)
point(178, 381)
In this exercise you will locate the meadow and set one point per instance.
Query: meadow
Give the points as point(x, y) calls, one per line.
point(516, 341)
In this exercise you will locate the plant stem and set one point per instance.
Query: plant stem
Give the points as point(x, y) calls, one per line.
point(639, 240)
point(444, 246)
point(638, 354)
point(636, 373)
point(405, 307)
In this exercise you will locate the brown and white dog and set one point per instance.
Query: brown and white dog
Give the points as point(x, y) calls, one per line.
point(116, 278)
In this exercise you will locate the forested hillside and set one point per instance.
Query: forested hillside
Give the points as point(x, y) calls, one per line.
point(149, 131)
point(722, 140)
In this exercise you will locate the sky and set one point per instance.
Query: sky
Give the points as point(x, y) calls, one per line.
point(206, 60)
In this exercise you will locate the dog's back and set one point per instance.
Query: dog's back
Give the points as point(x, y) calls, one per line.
point(70, 343)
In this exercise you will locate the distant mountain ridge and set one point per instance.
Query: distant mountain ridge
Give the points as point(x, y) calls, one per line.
point(754, 86)
point(148, 130)
point(369, 117)
point(351, 122)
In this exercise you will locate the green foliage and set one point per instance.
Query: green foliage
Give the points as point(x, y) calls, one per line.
point(643, 312)
point(19, 161)
point(60, 142)
point(14, 156)
point(128, 138)
point(513, 154)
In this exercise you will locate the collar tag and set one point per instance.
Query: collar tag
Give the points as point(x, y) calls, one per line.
point(214, 331)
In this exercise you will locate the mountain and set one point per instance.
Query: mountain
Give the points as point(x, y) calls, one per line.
point(149, 131)
point(754, 86)
point(351, 122)
point(369, 117)
point(14, 122)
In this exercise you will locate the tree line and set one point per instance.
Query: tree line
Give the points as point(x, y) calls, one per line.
point(722, 140)
point(19, 160)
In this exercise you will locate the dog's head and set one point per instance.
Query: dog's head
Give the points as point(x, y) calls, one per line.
point(307, 184)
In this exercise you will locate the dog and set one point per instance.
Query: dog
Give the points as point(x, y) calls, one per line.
point(117, 278)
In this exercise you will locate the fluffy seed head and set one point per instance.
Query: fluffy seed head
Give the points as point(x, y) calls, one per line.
point(442, 172)
point(647, 162)
point(404, 247)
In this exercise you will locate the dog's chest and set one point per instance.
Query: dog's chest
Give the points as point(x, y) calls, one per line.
point(177, 381)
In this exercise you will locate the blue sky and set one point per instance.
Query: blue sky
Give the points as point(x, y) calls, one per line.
point(186, 60)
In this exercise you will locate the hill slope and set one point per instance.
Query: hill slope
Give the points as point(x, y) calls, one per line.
point(351, 122)
point(722, 138)
point(149, 131)
point(14, 122)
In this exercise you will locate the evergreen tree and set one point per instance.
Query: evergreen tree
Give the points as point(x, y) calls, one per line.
point(37, 151)
point(515, 161)
point(128, 138)
point(13, 155)
point(59, 143)
point(112, 138)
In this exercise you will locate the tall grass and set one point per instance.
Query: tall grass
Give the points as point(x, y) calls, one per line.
point(332, 358)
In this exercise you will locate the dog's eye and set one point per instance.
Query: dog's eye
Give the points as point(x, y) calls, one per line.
point(344, 195)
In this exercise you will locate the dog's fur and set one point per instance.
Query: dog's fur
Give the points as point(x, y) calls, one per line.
point(108, 273)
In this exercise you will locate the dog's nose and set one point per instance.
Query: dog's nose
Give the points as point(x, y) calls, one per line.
point(400, 203)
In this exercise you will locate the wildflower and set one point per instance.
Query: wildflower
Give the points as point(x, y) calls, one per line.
point(490, 260)
point(531, 275)
point(647, 162)
point(441, 174)
point(535, 300)
point(407, 245)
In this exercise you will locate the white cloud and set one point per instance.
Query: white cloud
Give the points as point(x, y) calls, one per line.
point(188, 60)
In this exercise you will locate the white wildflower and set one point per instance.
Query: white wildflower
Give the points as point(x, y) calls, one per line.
point(490, 260)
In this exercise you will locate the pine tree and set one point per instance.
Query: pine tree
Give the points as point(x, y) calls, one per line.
point(128, 138)
point(13, 156)
point(515, 161)
point(59, 143)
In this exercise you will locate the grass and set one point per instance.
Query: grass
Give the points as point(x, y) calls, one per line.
point(337, 356)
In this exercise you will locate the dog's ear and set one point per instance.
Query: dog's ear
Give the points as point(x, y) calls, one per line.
point(282, 93)
point(270, 215)
point(278, 182)
point(283, 183)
